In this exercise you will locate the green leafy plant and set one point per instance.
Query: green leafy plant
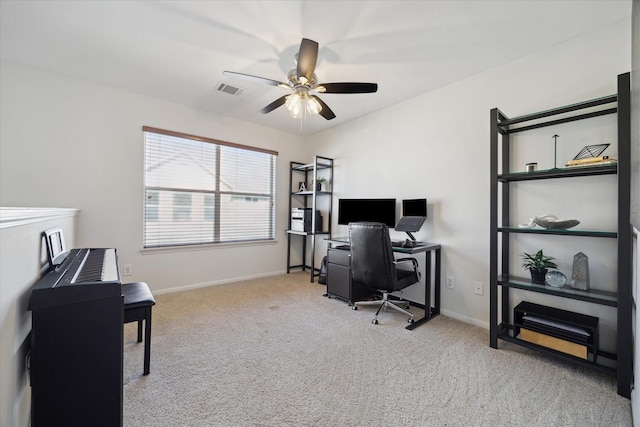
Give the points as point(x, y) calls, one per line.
point(318, 182)
point(539, 261)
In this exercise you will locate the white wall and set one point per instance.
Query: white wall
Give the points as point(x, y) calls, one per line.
point(437, 146)
point(22, 259)
point(69, 143)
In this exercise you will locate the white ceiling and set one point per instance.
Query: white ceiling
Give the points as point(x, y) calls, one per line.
point(177, 50)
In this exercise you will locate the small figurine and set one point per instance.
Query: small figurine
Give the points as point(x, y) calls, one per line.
point(580, 273)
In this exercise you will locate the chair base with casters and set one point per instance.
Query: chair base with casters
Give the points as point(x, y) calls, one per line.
point(399, 305)
point(138, 301)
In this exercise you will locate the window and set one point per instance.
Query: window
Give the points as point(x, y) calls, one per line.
point(201, 191)
point(181, 206)
point(151, 206)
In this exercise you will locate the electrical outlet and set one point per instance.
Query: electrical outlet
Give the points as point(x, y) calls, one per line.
point(450, 282)
point(477, 288)
point(127, 270)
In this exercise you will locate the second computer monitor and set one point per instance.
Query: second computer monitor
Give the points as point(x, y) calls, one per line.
point(414, 207)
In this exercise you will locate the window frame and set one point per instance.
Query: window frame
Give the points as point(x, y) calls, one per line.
point(214, 214)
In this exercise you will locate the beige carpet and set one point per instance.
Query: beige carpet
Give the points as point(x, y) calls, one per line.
point(275, 352)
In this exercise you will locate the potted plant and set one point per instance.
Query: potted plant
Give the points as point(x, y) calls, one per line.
point(537, 264)
point(319, 180)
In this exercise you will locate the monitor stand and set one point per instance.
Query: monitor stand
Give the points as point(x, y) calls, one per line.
point(410, 225)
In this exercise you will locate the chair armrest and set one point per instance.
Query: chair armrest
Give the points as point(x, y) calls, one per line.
point(414, 263)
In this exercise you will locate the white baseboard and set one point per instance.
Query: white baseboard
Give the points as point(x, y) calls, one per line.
point(217, 282)
point(465, 319)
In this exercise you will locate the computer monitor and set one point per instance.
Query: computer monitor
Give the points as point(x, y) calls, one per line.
point(370, 210)
point(414, 213)
point(414, 207)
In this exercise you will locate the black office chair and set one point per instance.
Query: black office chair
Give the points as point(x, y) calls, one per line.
point(373, 266)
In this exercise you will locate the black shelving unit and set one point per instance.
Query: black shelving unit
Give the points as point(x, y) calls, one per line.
point(501, 279)
point(310, 198)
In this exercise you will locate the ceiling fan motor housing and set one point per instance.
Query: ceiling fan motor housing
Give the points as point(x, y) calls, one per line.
point(295, 81)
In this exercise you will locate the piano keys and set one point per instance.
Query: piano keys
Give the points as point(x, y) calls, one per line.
point(76, 279)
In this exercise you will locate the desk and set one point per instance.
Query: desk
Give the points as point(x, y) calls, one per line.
point(426, 248)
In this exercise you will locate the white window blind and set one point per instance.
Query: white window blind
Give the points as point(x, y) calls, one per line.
point(201, 191)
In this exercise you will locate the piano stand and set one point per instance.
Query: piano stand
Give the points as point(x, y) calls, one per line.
point(138, 301)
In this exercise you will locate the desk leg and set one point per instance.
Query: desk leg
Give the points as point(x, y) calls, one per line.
point(429, 313)
point(436, 308)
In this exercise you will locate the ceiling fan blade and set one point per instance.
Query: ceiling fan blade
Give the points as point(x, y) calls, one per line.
point(275, 104)
point(254, 79)
point(326, 111)
point(348, 87)
point(307, 59)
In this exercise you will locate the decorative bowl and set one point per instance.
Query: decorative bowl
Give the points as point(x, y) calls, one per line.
point(555, 224)
point(555, 278)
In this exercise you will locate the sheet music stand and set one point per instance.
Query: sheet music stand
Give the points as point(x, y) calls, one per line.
point(56, 247)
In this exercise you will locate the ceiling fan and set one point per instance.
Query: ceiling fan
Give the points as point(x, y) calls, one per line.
point(302, 80)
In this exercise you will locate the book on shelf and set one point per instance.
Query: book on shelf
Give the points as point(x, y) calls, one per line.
point(558, 344)
point(592, 161)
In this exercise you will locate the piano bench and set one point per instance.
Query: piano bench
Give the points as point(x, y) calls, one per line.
point(138, 301)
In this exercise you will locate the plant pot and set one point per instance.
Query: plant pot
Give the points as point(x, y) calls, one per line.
point(537, 275)
point(318, 186)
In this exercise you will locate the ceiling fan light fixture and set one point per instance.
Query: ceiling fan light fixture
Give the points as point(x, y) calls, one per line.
point(299, 101)
point(294, 104)
point(302, 80)
point(293, 101)
point(313, 106)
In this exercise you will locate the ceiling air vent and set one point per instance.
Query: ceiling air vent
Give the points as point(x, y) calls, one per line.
point(232, 90)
